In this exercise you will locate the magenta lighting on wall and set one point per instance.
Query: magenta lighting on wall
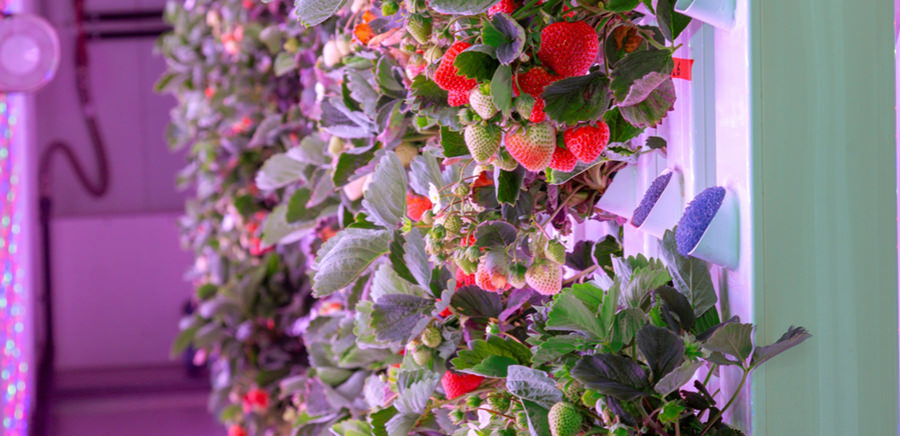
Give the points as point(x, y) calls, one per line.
point(14, 328)
point(29, 52)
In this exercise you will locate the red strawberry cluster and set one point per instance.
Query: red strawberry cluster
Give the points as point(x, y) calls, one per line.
point(236, 430)
point(587, 142)
point(504, 6)
point(255, 399)
point(569, 48)
point(563, 160)
point(416, 205)
point(448, 78)
point(457, 384)
point(533, 83)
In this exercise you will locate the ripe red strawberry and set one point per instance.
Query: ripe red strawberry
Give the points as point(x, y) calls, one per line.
point(587, 142)
point(236, 430)
point(458, 98)
point(537, 112)
point(463, 279)
point(544, 276)
point(459, 384)
point(483, 180)
point(534, 81)
point(532, 147)
point(448, 78)
point(416, 205)
point(563, 160)
point(483, 141)
point(504, 6)
point(256, 399)
point(569, 49)
point(490, 279)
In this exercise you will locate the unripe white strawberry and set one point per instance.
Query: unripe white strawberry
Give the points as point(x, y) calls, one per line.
point(544, 276)
point(483, 141)
point(330, 54)
point(482, 103)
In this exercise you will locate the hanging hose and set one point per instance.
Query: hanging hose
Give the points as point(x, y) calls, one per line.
point(82, 85)
point(96, 189)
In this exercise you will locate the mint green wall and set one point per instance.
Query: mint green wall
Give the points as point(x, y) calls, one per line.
point(824, 215)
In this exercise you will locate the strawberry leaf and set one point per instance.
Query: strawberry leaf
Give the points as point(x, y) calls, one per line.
point(461, 7)
point(501, 89)
point(512, 34)
point(610, 374)
point(345, 256)
point(477, 62)
point(314, 12)
point(453, 143)
point(671, 23)
point(621, 5)
point(385, 197)
point(650, 112)
point(532, 385)
point(577, 99)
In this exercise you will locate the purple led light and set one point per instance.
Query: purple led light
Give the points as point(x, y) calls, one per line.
point(15, 386)
point(697, 217)
point(650, 198)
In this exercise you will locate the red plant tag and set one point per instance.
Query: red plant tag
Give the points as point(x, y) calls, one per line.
point(682, 68)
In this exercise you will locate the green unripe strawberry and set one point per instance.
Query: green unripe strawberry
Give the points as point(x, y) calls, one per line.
point(589, 398)
point(517, 275)
point(498, 402)
point(335, 146)
point(438, 232)
point(453, 223)
point(431, 337)
point(473, 401)
point(505, 161)
point(482, 103)
point(556, 252)
point(422, 356)
point(389, 7)
point(419, 27)
point(473, 253)
point(524, 105)
point(483, 141)
point(457, 415)
point(461, 190)
point(573, 391)
point(291, 45)
point(468, 266)
point(433, 54)
point(565, 420)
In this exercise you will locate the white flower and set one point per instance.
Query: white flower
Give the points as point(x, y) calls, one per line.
point(435, 196)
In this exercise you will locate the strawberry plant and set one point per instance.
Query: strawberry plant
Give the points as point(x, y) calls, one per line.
point(386, 199)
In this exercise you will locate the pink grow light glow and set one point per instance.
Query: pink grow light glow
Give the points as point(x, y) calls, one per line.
point(14, 348)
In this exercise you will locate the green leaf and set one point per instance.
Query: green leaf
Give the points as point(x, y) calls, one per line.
point(495, 234)
point(671, 23)
point(396, 257)
point(453, 143)
point(387, 77)
point(184, 339)
point(491, 357)
point(278, 171)
point(734, 339)
point(501, 88)
point(576, 99)
point(627, 324)
point(570, 314)
point(477, 62)
point(351, 427)
point(793, 337)
point(385, 198)
point(396, 317)
point(651, 112)
point(414, 397)
point(689, 275)
point(538, 424)
point(620, 131)
point(661, 348)
point(655, 143)
point(557, 346)
point(638, 73)
point(417, 258)
point(349, 162)
point(314, 12)
point(425, 170)
point(426, 93)
point(461, 7)
point(511, 37)
point(277, 230)
point(621, 5)
point(401, 424)
point(298, 209)
point(387, 281)
point(532, 385)
point(706, 321)
point(509, 184)
point(677, 378)
point(473, 302)
point(345, 256)
point(676, 309)
point(284, 63)
point(613, 375)
point(380, 418)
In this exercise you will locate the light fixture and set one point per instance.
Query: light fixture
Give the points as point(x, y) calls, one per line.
point(29, 52)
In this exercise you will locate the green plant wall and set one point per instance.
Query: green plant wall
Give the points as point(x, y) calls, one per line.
point(824, 200)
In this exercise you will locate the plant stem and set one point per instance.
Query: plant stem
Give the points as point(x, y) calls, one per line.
point(581, 275)
point(737, 391)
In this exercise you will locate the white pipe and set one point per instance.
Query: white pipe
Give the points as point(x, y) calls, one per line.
point(718, 13)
